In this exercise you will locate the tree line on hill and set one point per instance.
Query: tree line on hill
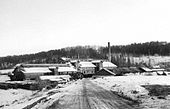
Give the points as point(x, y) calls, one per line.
point(137, 49)
point(121, 54)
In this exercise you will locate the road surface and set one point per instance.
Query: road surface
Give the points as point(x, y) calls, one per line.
point(87, 95)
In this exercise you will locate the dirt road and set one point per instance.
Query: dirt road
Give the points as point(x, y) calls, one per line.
point(87, 95)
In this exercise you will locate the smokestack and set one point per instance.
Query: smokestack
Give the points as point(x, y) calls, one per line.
point(109, 56)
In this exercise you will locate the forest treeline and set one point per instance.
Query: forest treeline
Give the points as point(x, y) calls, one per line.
point(85, 52)
point(148, 48)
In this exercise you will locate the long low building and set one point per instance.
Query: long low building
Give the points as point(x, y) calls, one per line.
point(31, 71)
point(35, 72)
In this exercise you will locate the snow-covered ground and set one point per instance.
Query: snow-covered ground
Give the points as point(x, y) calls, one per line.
point(13, 96)
point(20, 98)
point(153, 59)
point(131, 87)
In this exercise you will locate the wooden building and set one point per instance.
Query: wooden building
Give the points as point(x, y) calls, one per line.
point(86, 68)
point(103, 64)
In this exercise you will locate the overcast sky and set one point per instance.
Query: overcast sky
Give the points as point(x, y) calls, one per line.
point(30, 26)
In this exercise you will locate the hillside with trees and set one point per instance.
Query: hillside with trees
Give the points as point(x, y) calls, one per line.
point(120, 54)
point(52, 56)
point(148, 48)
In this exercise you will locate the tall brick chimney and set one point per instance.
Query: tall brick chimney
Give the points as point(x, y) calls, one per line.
point(109, 55)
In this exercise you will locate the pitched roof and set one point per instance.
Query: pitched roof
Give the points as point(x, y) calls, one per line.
point(66, 69)
point(105, 72)
point(96, 61)
point(45, 65)
point(108, 64)
point(37, 70)
point(145, 69)
point(156, 69)
point(6, 71)
point(55, 77)
point(86, 64)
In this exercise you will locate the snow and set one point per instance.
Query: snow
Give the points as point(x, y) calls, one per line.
point(37, 70)
point(130, 87)
point(146, 69)
point(66, 69)
point(86, 64)
point(140, 80)
point(4, 78)
point(153, 59)
point(19, 98)
point(56, 77)
point(108, 64)
point(11, 96)
point(6, 71)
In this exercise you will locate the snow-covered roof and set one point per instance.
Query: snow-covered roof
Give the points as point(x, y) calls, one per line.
point(66, 69)
point(146, 69)
point(6, 71)
point(96, 61)
point(44, 65)
point(73, 61)
point(158, 69)
point(109, 71)
point(86, 64)
point(55, 77)
point(108, 64)
point(37, 70)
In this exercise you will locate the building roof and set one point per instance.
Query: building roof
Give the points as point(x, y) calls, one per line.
point(37, 70)
point(55, 77)
point(66, 69)
point(145, 69)
point(44, 65)
point(86, 64)
point(104, 72)
point(108, 64)
point(156, 69)
point(96, 61)
point(6, 71)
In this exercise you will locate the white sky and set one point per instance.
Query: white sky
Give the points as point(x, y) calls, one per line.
point(29, 26)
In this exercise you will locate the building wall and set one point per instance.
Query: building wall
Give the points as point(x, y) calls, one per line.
point(87, 70)
point(33, 76)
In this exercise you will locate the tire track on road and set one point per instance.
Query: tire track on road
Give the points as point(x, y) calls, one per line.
point(87, 95)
